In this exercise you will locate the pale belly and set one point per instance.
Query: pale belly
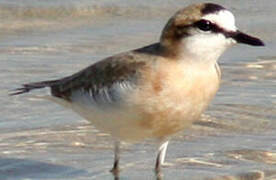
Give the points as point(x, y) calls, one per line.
point(158, 108)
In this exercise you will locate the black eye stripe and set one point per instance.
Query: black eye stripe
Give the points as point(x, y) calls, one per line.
point(204, 25)
point(211, 26)
point(214, 28)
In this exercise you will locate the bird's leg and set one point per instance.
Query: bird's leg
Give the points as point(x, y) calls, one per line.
point(160, 157)
point(115, 169)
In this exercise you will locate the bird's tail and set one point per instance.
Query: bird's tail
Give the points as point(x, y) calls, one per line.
point(31, 86)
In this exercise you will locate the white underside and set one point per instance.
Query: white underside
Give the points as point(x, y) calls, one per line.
point(121, 123)
point(147, 114)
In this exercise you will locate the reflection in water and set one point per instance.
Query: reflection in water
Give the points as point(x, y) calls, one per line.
point(253, 155)
point(256, 175)
point(268, 63)
point(92, 151)
point(12, 168)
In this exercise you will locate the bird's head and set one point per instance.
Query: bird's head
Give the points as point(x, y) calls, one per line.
point(203, 30)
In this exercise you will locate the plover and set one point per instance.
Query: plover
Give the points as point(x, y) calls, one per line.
point(157, 90)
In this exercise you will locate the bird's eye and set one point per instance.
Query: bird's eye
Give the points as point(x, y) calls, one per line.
point(204, 25)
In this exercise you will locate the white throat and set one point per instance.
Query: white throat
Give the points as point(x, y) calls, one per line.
point(201, 47)
point(209, 46)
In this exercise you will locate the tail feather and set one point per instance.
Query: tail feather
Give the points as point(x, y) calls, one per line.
point(31, 86)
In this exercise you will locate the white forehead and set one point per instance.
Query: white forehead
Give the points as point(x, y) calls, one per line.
point(223, 18)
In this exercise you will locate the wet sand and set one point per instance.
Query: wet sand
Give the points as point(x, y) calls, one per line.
point(235, 139)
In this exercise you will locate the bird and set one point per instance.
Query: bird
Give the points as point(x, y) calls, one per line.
point(157, 90)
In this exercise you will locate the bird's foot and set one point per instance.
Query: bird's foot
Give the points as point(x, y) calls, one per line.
point(165, 164)
point(115, 171)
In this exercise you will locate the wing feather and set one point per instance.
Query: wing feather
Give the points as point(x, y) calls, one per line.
point(105, 82)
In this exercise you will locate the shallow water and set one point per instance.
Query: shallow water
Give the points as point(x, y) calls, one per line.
point(235, 138)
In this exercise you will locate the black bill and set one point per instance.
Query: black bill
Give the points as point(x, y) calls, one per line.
point(241, 37)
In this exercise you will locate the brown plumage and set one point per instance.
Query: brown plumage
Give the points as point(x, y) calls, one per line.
point(157, 90)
